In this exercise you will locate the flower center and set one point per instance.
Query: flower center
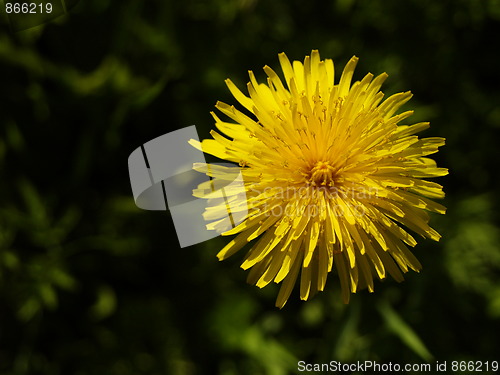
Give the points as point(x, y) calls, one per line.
point(322, 174)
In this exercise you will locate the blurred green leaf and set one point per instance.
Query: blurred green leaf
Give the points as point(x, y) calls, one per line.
point(62, 278)
point(9, 259)
point(48, 295)
point(14, 137)
point(36, 207)
point(404, 331)
point(494, 303)
point(313, 313)
point(473, 258)
point(29, 309)
point(348, 336)
point(105, 304)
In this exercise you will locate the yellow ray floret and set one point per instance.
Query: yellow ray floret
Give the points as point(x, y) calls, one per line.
point(333, 180)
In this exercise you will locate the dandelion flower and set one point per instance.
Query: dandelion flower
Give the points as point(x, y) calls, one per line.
point(333, 181)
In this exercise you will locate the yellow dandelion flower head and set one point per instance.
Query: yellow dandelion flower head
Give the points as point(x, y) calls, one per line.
point(332, 180)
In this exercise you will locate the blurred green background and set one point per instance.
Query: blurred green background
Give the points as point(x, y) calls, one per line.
point(90, 284)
